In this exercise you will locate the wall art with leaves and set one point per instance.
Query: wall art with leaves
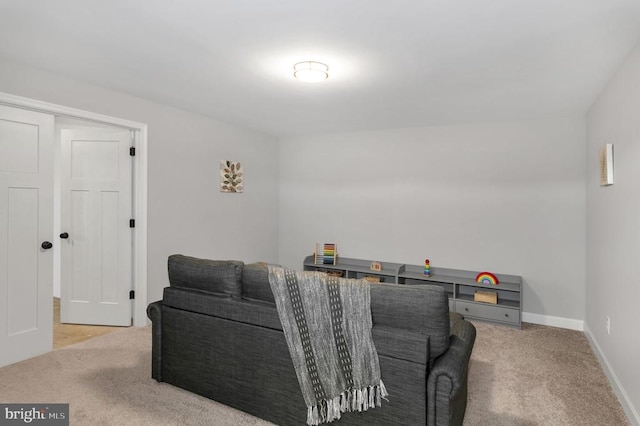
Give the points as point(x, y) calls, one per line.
point(231, 176)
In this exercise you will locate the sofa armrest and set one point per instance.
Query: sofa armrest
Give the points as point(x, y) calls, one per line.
point(154, 312)
point(447, 381)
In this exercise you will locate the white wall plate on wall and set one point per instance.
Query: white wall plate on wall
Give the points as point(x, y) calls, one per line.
point(606, 165)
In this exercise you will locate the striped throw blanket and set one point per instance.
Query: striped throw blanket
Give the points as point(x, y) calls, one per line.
point(327, 324)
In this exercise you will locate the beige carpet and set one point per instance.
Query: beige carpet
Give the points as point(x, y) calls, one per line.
point(538, 376)
point(535, 376)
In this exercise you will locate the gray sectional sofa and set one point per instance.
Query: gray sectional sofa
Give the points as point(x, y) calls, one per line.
point(216, 332)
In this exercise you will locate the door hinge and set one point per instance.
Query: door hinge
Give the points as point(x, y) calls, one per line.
point(132, 294)
point(132, 151)
point(132, 223)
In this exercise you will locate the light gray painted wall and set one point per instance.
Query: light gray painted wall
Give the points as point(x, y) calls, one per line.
point(506, 197)
point(187, 213)
point(613, 228)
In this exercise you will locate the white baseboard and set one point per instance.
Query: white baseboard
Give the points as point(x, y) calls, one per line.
point(571, 324)
point(627, 405)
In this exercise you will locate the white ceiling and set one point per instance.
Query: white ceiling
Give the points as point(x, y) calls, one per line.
point(393, 63)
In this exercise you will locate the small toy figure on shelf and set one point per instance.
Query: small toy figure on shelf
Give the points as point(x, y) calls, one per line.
point(427, 268)
point(376, 266)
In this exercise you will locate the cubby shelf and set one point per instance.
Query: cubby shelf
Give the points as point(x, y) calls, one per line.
point(459, 284)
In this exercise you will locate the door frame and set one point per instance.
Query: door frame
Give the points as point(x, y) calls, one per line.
point(139, 187)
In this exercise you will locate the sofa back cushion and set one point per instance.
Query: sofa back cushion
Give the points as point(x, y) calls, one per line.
point(422, 309)
point(244, 311)
point(255, 282)
point(214, 276)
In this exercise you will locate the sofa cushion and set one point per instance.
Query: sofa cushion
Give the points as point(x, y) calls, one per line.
point(397, 343)
point(418, 308)
point(255, 282)
point(253, 312)
point(215, 276)
point(400, 343)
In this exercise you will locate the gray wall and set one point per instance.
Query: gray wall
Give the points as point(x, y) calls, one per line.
point(187, 213)
point(503, 197)
point(613, 230)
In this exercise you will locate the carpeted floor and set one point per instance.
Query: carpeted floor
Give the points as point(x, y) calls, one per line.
point(538, 376)
point(535, 376)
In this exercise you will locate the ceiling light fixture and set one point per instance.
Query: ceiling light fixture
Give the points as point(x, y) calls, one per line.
point(310, 71)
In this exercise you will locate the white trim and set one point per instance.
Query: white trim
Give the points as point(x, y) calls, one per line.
point(140, 181)
point(625, 401)
point(59, 110)
point(571, 324)
point(140, 242)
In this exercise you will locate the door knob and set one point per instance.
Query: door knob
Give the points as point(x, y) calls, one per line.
point(64, 235)
point(46, 245)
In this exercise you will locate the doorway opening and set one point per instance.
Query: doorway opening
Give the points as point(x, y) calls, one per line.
point(69, 334)
point(64, 114)
point(26, 291)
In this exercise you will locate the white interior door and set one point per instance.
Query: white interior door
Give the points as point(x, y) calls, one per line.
point(26, 223)
point(96, 207)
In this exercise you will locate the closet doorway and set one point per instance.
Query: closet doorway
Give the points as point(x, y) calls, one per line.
point(27, 296)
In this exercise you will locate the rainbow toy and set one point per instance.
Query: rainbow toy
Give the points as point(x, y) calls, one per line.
point(487, 278)
point(427, 268)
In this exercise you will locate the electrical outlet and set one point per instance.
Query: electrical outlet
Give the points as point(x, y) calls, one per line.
point(608, 325)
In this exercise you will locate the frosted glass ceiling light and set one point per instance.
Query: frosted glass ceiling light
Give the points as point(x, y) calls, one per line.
point(310, 71)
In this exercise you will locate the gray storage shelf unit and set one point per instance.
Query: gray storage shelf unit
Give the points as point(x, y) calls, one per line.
point(459, 284)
